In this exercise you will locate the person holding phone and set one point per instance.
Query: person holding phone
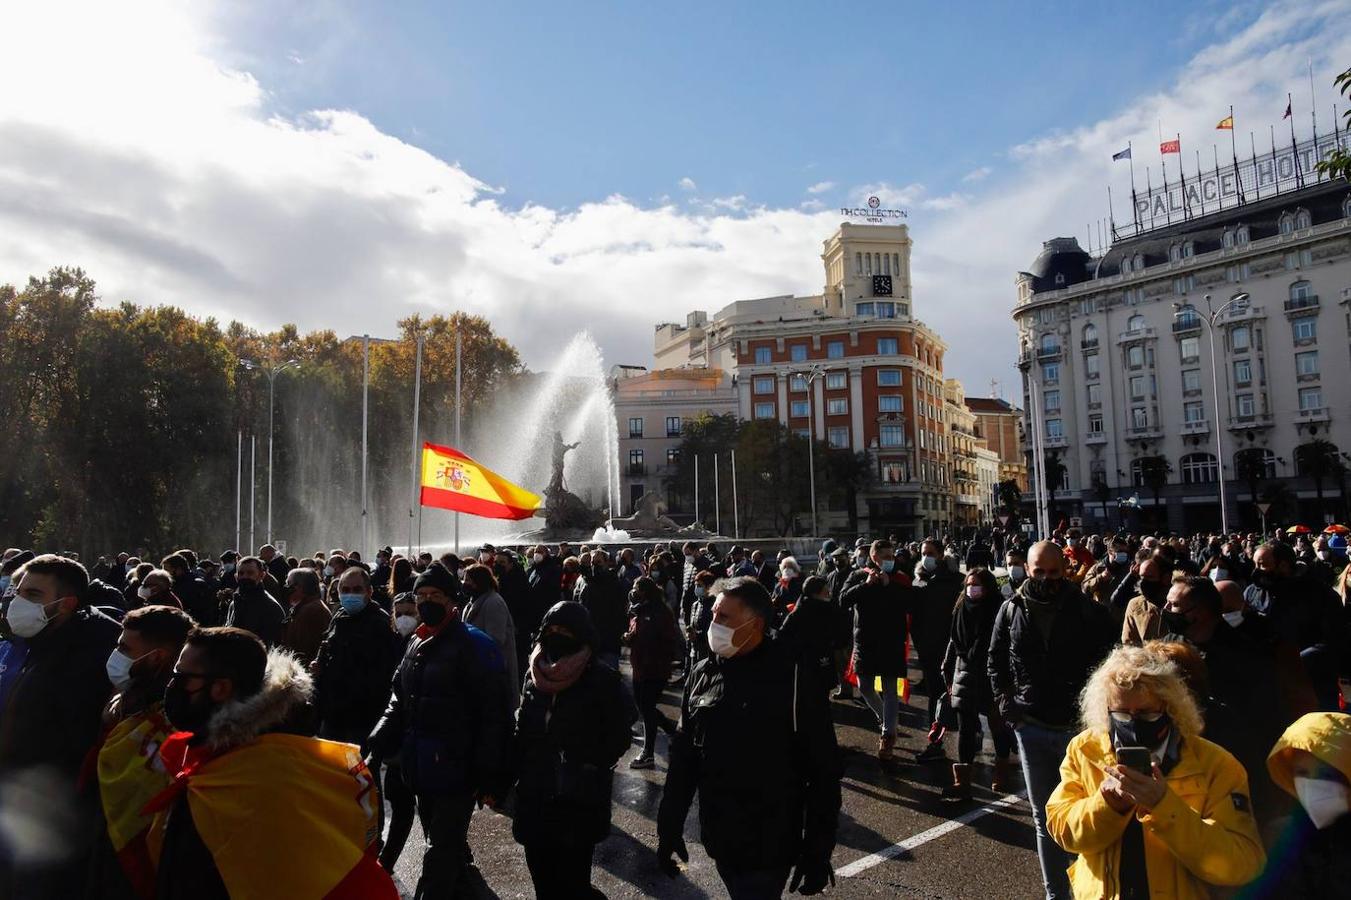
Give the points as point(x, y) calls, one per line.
point(1151, 808)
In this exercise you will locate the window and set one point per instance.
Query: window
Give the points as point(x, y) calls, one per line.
point(1242, 372)
point(673, 426)
point(1137, 387)
point(764, 384)
point(895, 471)
point(865, 309)
point(1050, 373)
point(867, 264)
point(1303, 219)
point(1094, 395)
point(1090, 338)
point(1184, 284)
point(1135, 323)
point(1187, 317)
point(1287, 223)
point(1175, 253)
point(1301, 290)
point(1138, 263)
point(635, 428)
point(1135, 357)
point(802, 433)
point(886, 263)
point(836, 381)
point(1193, 411)
point(1188, 250)
point(890, 403)
point(797, 383)
point(799, 409)
point(636, 462)
point(1310, 398)
point(1091, 365)
point(837, 406)
point(886, 310)
point(1306, 363)
point(1126, 266)
point(1228, 239)
point(1238, 272)
point(1139, 418)
point(1199, 468)
point(891, 436)
point(835, 350)
point(673, 456)
point(1191, 380)
point(896, 263)
point(888, 377)
point(1050, 343)
point(887, 347)
point(798, 352)
point(1259, 459)
point(764, 410)
point(1190, 348)
point(858, 263)
point(838, 438)
point(1245, 406)
point(1095, 423)
point(1052, 401)
point(1241, 236)
point(762, 356)
point(1055, 428)
point(1305, 329)
point(1240, 338)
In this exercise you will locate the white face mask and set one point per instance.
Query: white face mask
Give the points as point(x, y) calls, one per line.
point(930, 563)
point(1218, 575)
point(119, 669)
point(405, 624)
point(975, 591)
point(328, 571)
point(1016, 573)
point(1234, 618)
point(721, 640)
point(144, 592)
point(1325, 801)
point(25, 617)
point(538, 558)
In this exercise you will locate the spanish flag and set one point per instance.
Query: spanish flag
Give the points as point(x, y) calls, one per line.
point(1226, 124)
point(451, 480)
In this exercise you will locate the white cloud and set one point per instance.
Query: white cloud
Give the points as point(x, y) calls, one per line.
point(979, 174)
point(821, 187)
point(156, 166)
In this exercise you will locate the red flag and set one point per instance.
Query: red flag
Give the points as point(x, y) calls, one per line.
point(1173, 146)
point(1286, 115)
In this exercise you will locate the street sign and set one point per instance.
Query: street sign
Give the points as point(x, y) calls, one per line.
point(1263, 508)
point(1003, 520)
point(1076, 522)
point(281, 547)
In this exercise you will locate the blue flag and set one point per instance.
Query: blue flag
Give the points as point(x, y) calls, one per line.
point(1124, 154)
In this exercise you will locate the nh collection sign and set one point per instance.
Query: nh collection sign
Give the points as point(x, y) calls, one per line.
point(874, 213)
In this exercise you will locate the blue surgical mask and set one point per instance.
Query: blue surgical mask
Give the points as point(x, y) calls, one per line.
point(4, 583)
point(888, 565)
point(352, 603)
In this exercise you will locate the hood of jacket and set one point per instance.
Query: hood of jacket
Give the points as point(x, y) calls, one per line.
point(286, 688)
point(1326, 735)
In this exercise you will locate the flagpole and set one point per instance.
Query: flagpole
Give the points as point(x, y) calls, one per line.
point(1294, 147)
point(1219, 188)
point(417, 479)
point(1200, 190)
point(696, 488)
point(717, 499)
point(365, 434)
point(239, 486)
point(1275, 173)
point(459, 325)
point(1257, 181)
point(1163, 164)
point(1182, 173)
point(1149, 192)
point(736, 514)
point(1135, 215)
point(1111, 214)
point(1313, 107)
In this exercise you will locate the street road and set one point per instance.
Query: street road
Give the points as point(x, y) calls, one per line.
point(991, 856)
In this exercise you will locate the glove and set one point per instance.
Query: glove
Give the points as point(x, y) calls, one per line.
point(666, 849)
point(812, 877)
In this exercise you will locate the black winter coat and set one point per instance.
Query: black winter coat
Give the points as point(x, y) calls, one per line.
point(564, 753)
point(1040, 679)
point(880, 627)
point(785, 805)
point(546, 588)
point(198, 599)
point(808, 632)
point(932, 611)
point(966, 663)
point(255, 610)
point(449, 713)
point(356, 661)
point(604, 598)
point(842, 624)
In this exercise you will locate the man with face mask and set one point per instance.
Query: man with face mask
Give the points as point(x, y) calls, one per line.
point(937, 587)
point(252, 607)
point(458, 755)
point(128, 772)
point(355, 661)
point(1015, 563)
point(1144, 613)
point(880, 598)
point(753, 692)
point(51, 717)
point(1047, 639)
point(309, 615)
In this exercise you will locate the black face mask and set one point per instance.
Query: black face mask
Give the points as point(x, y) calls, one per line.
point(184, 711)
point(1153, 592)
point(556, 646)
point(432, 613)
point(1175, 622)
point(245, 584)
point(1044, 589)
point(1265, 580)
point(1140, 733)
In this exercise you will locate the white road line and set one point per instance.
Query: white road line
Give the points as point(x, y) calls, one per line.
point(910, 843)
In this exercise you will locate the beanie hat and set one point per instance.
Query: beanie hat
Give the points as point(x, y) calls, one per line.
point(436, 576)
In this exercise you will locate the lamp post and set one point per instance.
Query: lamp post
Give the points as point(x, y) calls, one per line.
point(1211, 317)
point(810, 376)
point(271, 371)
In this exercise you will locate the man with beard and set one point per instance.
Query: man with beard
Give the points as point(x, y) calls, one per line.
point(252, 608)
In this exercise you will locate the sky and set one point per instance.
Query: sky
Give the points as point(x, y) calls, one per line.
point(604, 166)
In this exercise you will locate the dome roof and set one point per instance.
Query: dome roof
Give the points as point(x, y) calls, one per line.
point(1061, 263)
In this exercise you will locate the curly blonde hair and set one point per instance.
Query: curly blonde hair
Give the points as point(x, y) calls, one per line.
point(1132, 668)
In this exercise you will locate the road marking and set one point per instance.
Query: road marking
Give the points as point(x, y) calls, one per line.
point(910, 843)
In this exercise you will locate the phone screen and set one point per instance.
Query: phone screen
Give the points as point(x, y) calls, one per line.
point(1137, 758)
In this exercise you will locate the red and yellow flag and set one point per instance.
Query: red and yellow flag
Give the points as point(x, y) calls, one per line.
point(451, 480)
point(1225, 123)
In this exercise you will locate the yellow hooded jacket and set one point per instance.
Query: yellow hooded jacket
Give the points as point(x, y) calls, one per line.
point(1326, 735)
point(1202, 833)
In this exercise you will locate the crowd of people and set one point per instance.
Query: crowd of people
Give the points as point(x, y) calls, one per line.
point(1174, 706)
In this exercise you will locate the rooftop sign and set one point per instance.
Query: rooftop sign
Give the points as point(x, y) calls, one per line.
point(874, 213)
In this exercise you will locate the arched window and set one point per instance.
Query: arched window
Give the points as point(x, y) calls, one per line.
point(1188, 250)
point(1241, 236)
point(868, 263)
point(1090, 338)
point(1137, 473)
point(1287, 223)
point(1050, 343)
point(1303, 219)
point(1346, 207)
point(1138, 263)
point(1254, 464)
point(1198, 468)
point(1301, 290)
point(1135, 322)
point(1187, 317)
point(1228, 240)
point(1126, 266)
point(1175, 253)
point(858, 263)
point(1059, 279)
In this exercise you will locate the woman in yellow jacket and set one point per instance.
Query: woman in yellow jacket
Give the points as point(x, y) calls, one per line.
point(1175, 833)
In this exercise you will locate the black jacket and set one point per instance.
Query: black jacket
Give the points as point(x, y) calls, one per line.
point(880, 627)
point(1304, 612)
point(757, 744)
point(842, 624)
point(279, 568)
point(604, 598)
point(356, 661)
point(255, 610)
point(514, 588)
point(197, 599)
point(1039, 679)
point(932, 611)
point(809, 633)
point(449, 713)
point(545, 581)
point(564, 752)
point(965, 664)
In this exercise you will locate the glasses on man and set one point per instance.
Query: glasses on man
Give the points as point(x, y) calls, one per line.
point(1126, 715)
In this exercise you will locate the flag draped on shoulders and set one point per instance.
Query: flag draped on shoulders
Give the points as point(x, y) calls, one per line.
point(131, 774)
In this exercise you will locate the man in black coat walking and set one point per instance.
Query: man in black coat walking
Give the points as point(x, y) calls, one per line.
point(355, 661)
point(253, 608)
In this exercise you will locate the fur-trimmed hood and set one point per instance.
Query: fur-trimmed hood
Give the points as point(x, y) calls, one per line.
point(286, 688)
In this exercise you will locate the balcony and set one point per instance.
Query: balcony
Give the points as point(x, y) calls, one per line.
point(1138, 334)
point(1048, 354)
point(1144, 433)
point(1309, 416)
point(1095, 437)
point(1244, 423)
point(1201, 426)
point(636, 469)
point(1302, 306)
point(1089, 344)
point(1186, 324)
point(1059, 441)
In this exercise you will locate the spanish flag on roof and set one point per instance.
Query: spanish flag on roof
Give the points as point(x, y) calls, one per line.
point(451, 480)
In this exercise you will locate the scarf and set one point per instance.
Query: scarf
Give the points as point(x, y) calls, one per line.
point(556, 677)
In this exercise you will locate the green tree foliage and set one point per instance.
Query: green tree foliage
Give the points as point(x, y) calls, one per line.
point(1320, 460)
point(124, 421)
point(1338, 163)
point(1154, 472)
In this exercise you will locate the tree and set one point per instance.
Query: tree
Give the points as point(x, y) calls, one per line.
point(841, 475)
point(1250, 467)
point(1055, 476)
point(1010, 497)
point(1154, 472)
point(701, 437)
point(1338, 163)
point(1318, 459)
point(1102, 492)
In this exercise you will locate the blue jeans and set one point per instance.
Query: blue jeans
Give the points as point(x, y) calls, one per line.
point(886, 707)
point(1042, 750)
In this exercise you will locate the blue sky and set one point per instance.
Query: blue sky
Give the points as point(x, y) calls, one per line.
point(601, 167)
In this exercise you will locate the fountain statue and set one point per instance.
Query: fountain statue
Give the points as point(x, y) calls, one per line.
point(648, 521)
point(564, 511)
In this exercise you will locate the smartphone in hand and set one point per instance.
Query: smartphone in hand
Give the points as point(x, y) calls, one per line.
point(1137, 758)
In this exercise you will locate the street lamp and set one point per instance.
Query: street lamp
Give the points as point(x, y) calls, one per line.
point(271, 371)
point(1212, 315)
point(810, 376)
